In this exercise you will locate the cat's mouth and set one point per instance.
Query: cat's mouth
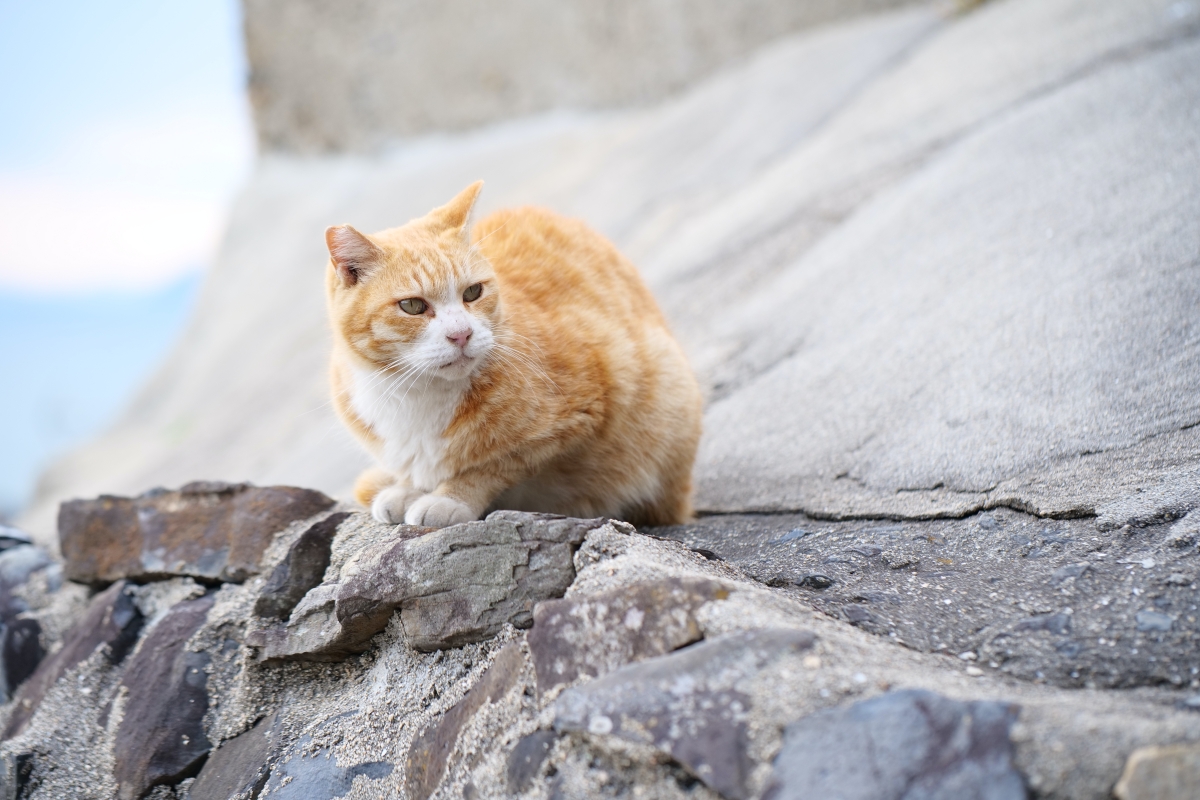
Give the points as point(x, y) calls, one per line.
point(458, 360)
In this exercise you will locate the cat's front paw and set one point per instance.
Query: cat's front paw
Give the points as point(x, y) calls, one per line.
point(390, 504)
point(438, 511)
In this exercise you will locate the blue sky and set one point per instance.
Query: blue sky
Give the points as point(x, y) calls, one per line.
point(125, 131)
point(124, 134)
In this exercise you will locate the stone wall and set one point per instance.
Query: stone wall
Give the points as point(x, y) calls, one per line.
point(350, 76)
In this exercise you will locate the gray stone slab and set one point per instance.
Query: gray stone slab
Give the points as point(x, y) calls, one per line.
point(688, 704)
point(239, 768)
point(904, 745)
point(451, 587)
point(592, 635)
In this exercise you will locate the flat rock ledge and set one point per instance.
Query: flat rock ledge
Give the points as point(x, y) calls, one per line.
point(523, 655)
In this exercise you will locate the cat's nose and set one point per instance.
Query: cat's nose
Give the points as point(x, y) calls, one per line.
point(460, 338)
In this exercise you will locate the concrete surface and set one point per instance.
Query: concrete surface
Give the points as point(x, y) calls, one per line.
point(330, 77)
point(925, 265)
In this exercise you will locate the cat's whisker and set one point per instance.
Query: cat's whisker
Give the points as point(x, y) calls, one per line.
point(517, 359)
point(499, 228)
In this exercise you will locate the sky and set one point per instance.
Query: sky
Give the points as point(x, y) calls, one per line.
point(124, 135)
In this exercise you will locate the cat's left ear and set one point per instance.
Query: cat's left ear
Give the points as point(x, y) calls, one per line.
point(456, 215)
point(354, 256)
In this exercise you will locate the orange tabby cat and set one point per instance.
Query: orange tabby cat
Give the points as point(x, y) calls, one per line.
point(520, 365)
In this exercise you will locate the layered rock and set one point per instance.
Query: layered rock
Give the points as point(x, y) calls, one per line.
point(659, 671)
point(449, 587)
point(207, 530)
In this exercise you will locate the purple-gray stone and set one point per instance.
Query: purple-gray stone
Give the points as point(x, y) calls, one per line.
point(904, 745)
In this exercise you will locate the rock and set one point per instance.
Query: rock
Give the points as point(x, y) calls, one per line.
point(594, 634)
point(161, 738)
point(21, 653)
point(463, 583)
point(240, 766)
point(1063, 574)
point(525, 761)
point(685, 704)
point(112, 621)
point(12, 537)
point(902, 745)
point(17, 563)
point(1154, 621)
point(1059, 624)
point(312, 632)
point(305, 772)
point(300, 570)
point(206, 530)
point(20, 637)
point(1170, 772)
point(815, 581)
point(451, 586)
point(432, 748)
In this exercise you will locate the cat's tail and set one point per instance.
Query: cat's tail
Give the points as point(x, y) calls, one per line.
point(371, 482)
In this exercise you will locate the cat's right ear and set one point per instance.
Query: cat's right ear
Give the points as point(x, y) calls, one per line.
point(354, 255)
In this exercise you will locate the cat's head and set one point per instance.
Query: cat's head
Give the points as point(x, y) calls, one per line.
point(418, 298)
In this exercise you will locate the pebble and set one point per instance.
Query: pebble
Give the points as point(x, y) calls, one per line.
point(1154, 621)
point(814, 581)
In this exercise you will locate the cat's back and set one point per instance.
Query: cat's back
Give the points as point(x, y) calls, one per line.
point(553, 262)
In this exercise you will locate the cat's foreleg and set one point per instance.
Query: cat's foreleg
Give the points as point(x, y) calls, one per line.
point(460, 499)
point(392, 504)
point(386, 494)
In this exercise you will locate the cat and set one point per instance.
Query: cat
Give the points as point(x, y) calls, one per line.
point(519, 364)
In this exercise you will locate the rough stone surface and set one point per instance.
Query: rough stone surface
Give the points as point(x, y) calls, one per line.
point(431, 750)
point(301, 569)
point(307, 771)
point(451, 586)
point(112, 621)
point(470, 721)
point(206, 530)
point(525, 761)
point(161, 738)
point(688, 705)
point(1037, 599)
point(240, 767)
point(1160, 773)
point(20, 636)
point(901, 746)
point(594, 635)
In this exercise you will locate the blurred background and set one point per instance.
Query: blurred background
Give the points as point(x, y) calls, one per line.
point(126, 133)
point(926, 257)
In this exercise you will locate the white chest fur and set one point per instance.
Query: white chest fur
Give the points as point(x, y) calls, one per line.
point(411, 417)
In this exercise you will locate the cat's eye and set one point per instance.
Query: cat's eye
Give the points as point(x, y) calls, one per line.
point(413, 305)
point(473, 291)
